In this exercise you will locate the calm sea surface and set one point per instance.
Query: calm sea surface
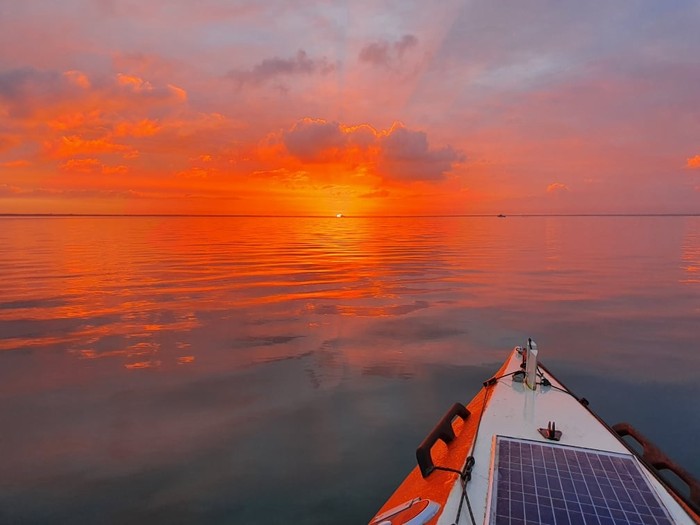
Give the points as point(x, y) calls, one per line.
point(283, 370)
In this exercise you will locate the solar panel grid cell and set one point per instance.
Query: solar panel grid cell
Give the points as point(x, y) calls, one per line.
point(558, 485)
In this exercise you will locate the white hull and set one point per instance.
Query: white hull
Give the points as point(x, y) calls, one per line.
point(508, 407)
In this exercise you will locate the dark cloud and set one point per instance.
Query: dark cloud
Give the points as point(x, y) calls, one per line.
point(407, 155)
point(407, 42)
point(271, 68)
point(23, 89)
point(312, 140)
point(376, 53)
point(384, 53)
point(398, 153)
point(13, 83)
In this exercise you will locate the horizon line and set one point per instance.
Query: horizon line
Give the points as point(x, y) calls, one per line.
point(309, 216)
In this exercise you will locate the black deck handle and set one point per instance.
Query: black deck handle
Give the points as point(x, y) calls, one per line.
point(660, 461)
point(442, 431)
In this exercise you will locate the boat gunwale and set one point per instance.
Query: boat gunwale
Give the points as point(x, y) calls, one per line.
point(414, 485)
point(688, 505)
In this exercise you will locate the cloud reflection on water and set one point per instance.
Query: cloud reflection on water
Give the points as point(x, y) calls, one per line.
point(121, 288)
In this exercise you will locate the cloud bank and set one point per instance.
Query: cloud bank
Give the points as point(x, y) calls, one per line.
point(395, 154)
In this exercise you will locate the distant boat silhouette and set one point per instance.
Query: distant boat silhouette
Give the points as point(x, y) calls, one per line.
point(501, 216)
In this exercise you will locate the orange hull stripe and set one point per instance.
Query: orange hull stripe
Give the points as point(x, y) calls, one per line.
point(438, 485)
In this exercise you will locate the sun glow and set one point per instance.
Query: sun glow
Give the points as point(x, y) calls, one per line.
point(356, 125)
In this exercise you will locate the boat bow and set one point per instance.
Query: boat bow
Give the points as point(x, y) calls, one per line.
point(523, 410)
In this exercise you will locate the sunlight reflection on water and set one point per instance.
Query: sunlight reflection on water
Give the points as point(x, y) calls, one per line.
point(159, 368)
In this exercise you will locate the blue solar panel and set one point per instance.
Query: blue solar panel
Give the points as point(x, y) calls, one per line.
point(557, 484)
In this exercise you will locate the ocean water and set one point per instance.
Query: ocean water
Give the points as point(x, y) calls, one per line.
point(283, 370)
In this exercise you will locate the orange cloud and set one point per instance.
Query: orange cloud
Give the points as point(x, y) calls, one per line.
point(378, 194)
point(77, 120)
point(91, 165)
point(71, 193)
point(73, 145)
point(114, 170)
point(194, 173)
point(557, 187)
point(78, 78)
point(143, 128)
point(70, 117)
point(693, 162)
point(16, 163)
point(7, 190)
point(81, 165)
point(133, 82)
point(177, 92)
point(139, 85)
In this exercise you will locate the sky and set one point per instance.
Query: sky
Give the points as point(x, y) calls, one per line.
point(318, 107)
